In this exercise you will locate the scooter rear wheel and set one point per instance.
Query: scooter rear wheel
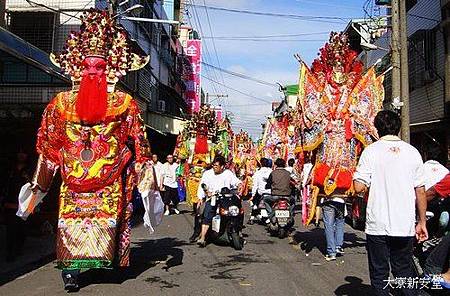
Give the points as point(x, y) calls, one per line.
point(282, 233)
point(236, 240)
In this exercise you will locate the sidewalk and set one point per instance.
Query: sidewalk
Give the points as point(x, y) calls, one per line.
point(38, 250)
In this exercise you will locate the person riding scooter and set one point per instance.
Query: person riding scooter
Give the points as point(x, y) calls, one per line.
point(279, 182)
point(213, 181)
point(259, 186)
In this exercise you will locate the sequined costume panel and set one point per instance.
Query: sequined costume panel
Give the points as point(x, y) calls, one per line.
point(98, 178)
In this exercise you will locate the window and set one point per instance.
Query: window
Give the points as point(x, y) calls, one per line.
point(422, 58)
point(34, 27)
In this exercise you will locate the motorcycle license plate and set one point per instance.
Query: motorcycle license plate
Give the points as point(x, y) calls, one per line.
point(264, 213)
point(282, 214)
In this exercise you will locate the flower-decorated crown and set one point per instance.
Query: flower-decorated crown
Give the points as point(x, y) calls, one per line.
point(203, 122)
point(98, 36)
point(337, 54)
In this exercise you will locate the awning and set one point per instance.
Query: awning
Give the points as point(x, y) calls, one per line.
point(165, 124)
point(425, 126)
point(291, 90)
point(154, 129)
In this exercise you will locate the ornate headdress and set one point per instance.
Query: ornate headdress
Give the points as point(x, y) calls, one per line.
point(203, 122)
point(336, 54)
point(98, 36)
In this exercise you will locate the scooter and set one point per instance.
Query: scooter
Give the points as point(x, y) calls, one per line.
point(226, 226)
point(437, 225)
point(282, 220)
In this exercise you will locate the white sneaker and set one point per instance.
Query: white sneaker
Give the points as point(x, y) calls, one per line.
point(330, 257)
point(176, 211)
point(167, 213)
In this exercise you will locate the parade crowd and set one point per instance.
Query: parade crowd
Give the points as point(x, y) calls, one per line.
point(336, 146)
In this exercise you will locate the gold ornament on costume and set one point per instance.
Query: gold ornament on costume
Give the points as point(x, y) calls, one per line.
point(98, 36)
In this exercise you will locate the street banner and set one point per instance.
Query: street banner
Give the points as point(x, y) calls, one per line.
point(219, 113)
point(193, 52)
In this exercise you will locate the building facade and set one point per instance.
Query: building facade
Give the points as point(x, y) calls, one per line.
point(29, 80)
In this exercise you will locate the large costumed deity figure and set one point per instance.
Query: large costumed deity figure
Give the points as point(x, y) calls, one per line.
point(225, 136)
point(95, 137)
point(336, 107)
point(275, 139)
point(244, 160)
point(196, 143)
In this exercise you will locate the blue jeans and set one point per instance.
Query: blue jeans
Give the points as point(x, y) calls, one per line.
point(333, 218)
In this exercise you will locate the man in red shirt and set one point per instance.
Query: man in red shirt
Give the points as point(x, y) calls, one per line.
point(441, 188)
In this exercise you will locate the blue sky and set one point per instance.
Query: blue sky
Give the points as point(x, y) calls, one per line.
point(270, 61)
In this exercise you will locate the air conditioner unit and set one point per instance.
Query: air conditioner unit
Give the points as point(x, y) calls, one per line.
point(161, 105)
point(429, 76)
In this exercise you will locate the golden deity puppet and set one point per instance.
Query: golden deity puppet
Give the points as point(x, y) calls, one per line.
point(336, 106)
point(244, 160)
point(95, 137)
point(195, 143)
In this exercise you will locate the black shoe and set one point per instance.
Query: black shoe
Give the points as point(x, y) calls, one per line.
point(71, 284)
point(201, 243)
point(194, 238)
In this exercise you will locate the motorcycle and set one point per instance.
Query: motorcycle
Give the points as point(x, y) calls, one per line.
point(226, 226)
point(282, 220)
point(437, 225)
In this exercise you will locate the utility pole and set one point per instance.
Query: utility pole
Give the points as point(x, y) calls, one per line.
point(395, 57)
point(405, 133)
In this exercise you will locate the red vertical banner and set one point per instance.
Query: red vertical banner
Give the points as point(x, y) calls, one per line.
point(193, 52)
point(219, 113)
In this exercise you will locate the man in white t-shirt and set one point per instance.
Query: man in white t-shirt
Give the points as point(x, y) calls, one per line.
point(158, 168)
point(259, 185)
point(213, 181)
point(169, 185)
point(392, 171)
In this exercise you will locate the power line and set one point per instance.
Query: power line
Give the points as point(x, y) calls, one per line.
point(213, 42)
point(269, 36)
point(241, 75)
point(207, 54)
point(273, 40)
point(238, 91)
point(312, 18)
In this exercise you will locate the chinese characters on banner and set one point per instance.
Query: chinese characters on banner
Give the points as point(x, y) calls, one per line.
point(193, 52)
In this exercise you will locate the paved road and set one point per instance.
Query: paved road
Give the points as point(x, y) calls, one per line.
point(166, 264)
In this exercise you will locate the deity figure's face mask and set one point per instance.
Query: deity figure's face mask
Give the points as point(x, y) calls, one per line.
point(92, 98)
point(338, 74)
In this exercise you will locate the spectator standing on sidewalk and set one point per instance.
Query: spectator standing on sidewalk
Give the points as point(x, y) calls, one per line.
point(157, 165)
point(18, 176)
point(169, 188)
point(392, 171)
